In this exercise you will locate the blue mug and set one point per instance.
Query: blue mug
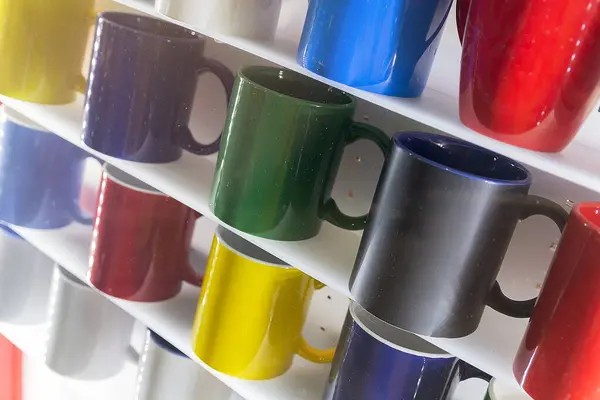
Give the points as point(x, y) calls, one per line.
point(40, 176)
point(374, 360)
point(382, 46)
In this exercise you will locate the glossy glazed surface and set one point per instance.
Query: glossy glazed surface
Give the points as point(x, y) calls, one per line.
point(11, 371)
point(383, 46)
point(442, 218)
point(42, 45)
point(88, 336)
point(396, 365)
point(558, 356)
point(282, 145)
point(141, 87)
point(252, 19)
point(141, 241)
point(251, 312)
point(530, 70)
point(40, 176)
point(165, 373)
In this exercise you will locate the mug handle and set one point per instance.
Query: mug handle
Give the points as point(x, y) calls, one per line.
point(189, 273)
point(440, 26)
point(310, 353)
point(81, 81)
point(76, 212)
point(462, 14)
point(185, 137)
point(532, 205)
point(331, 211)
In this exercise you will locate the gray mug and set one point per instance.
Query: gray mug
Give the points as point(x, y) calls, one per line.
point(441, 222)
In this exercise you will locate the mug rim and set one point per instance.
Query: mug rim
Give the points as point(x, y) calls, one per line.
point(219, 234)
point(578, 211)
point(354, 306)
point(109, 170)
point(17, 118)
point(242, 73)
point(398, 143)
point(193, 36)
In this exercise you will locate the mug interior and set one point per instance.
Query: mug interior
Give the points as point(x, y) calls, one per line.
point(396, 338)
point(462, 157)
point(292, 84)
point(246, 249)
point(126, 180)
point(149, 26)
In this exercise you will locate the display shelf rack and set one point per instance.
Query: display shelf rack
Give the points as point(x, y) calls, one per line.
point(437, 107)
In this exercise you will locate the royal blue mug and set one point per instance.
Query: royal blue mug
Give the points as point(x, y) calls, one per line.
point(374, 360)
point(40, 176)
point(382, 46)
point(141, 86)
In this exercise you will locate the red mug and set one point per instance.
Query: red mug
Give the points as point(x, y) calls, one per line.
point(530, 69)
point(558, 357)
point(141, 240)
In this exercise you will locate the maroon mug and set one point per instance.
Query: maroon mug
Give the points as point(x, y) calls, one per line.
point(141, 240)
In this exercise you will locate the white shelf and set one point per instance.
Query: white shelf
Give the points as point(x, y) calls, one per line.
point(173, 319)
point(438, 107)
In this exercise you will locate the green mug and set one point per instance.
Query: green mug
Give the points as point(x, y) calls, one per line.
point(282, 146)
point(499, 391)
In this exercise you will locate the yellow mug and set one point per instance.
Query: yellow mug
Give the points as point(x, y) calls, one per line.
point(42, 46)
point(251, 311)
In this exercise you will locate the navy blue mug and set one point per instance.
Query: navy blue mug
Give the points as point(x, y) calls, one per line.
point(40, 176)
point(141, 87)
point(382, 46)
point(374, 360)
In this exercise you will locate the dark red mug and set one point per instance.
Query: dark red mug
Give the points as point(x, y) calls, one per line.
point(530, 70)
point(141, 240)
point(558, 357)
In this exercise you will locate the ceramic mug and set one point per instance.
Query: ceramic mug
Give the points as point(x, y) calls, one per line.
point(556, 359)
point(165, 373)
point(141, 240)
point(140, 93)
point(498, 391)
point(530, 71)
point(344, 41)
point(88, 336)
point(11, 371)
point(282, 146)
point(252, 19)
point(40, 176)
point(43, 45)
point(25, 278)
point(251, 312)
point(377, 361)
point(442, 219)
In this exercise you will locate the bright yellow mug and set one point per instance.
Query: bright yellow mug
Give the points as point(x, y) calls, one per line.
point(251, 311)
point(42, 46)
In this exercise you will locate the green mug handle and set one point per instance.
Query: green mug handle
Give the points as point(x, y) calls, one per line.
point(331, 211)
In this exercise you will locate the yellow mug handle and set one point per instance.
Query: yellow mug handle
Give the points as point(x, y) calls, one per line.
point(81, 81)
point(310, 353)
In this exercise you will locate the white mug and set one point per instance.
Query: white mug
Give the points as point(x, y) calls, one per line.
point(88, 336)
point(25, 277)
point(252, 19)
point(498, 391)
point(165, 373)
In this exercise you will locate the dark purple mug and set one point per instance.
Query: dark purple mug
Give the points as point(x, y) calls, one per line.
point(141, 87)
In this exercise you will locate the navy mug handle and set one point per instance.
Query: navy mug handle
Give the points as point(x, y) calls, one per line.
point(467, 371)
point(76, 212)
point(186, 139)
point(532, 205)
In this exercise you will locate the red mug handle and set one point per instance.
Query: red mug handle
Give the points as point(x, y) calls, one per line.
point(189, 273)
point(462, 12)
